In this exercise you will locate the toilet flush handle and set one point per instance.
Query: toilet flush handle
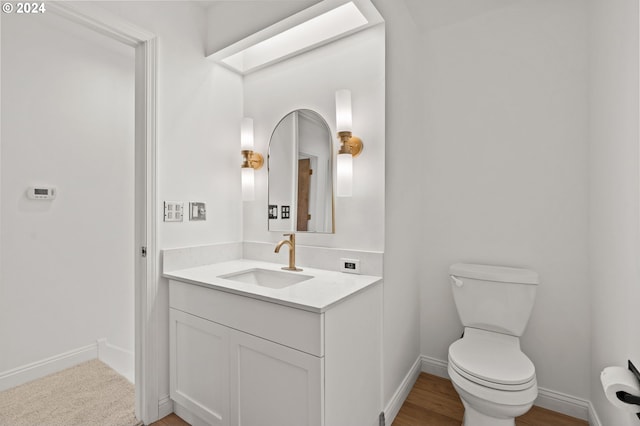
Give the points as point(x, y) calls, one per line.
point(455, 280)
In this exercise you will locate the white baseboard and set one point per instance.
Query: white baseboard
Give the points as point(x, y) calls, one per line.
point(165, 407)
point(434, 366)
point(551, 400)
point(594, 420)
point(38, 369)
point(398, 398)
point(188, 416)
point(121, 360)
point(563, 403)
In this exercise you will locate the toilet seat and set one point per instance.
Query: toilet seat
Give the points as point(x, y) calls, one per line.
point(489, 400)
point(493, 360)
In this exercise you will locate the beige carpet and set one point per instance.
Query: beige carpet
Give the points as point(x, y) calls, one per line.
point(87, 394)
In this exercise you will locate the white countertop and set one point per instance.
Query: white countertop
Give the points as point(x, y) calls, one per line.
point(317, 294)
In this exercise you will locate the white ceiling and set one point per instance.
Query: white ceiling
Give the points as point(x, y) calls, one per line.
point(431, 14)
point(427, 14)
point(207, 3)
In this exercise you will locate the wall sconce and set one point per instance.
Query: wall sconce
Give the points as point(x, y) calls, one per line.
point(350, 146)
point(251, 161)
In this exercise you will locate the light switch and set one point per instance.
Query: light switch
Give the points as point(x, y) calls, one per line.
point(173, 211)
point(273, 211)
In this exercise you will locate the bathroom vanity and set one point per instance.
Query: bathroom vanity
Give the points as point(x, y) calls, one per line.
point(252, 345)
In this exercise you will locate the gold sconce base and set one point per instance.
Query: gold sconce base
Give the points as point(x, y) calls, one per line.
point(350, 144)
point(252, 159)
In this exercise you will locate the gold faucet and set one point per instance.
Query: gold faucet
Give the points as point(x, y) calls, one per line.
point(291, 242)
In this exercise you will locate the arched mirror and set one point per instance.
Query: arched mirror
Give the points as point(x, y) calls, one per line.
point(300, 174)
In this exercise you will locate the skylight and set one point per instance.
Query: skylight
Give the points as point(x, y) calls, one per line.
point(246, 56)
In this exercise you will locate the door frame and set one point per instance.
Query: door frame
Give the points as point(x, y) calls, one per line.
point(146, 263)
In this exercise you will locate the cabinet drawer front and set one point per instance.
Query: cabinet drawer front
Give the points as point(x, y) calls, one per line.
point(295, 328)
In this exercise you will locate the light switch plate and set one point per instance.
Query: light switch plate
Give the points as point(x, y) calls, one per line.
point(197, 211)
point(350, 266)
point(273, 211)
point(173, 211)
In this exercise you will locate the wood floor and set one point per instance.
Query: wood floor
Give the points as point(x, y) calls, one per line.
point(170, 420)
point(434, 402)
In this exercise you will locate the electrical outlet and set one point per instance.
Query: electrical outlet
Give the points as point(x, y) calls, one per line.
point(350, 266)
point(173, 211)
point(285, 212)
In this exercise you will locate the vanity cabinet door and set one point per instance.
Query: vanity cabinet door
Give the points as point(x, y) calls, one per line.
point(199, 364)
point(272, 384)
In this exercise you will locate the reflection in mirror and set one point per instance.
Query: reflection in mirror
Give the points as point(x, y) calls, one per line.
point(300, 174)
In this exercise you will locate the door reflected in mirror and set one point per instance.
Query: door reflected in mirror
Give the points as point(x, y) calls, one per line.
point(301, 174)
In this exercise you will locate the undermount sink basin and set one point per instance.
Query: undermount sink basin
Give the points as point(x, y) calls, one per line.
point(267, 278)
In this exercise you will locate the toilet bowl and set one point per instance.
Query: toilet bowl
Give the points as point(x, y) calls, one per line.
point(495, 380)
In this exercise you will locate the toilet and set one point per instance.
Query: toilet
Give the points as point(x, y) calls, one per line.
point(496, 381)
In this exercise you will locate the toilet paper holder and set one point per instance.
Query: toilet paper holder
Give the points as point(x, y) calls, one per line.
point(626, 397)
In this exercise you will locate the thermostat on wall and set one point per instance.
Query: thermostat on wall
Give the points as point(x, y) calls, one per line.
point(41, 193)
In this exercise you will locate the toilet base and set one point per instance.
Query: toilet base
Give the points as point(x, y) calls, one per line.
point(473, 417)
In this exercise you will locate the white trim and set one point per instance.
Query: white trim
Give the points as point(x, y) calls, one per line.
point(434, 366)
point(101, 21)
point(119, 359)
point(147, 399)
point(188, 416)
point(400, 395)
point(549, 399)
point(165, 406)
point(44, 367)
point(146, 332)
point(563, 403)
point(594, 420)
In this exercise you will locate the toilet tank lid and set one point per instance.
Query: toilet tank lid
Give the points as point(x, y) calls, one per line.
point(494, 273)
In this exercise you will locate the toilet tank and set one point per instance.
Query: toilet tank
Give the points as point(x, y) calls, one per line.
point(494, 298)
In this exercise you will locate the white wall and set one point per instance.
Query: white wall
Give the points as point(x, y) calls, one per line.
point(199, 107)
point(403, 217)
point(505, 174)
point(68, 121)
point(614, 188)
point(309, 81)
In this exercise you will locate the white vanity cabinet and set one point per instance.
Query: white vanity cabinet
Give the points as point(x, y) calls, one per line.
point(240, 361)
point(200, 367)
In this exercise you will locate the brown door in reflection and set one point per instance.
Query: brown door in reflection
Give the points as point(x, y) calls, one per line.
point(304, 183)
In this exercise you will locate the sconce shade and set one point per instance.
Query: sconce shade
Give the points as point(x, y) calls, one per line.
point(343, 111)
point(250, 160)
point(344, 184)
point(248, 191)
point(246, 134)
